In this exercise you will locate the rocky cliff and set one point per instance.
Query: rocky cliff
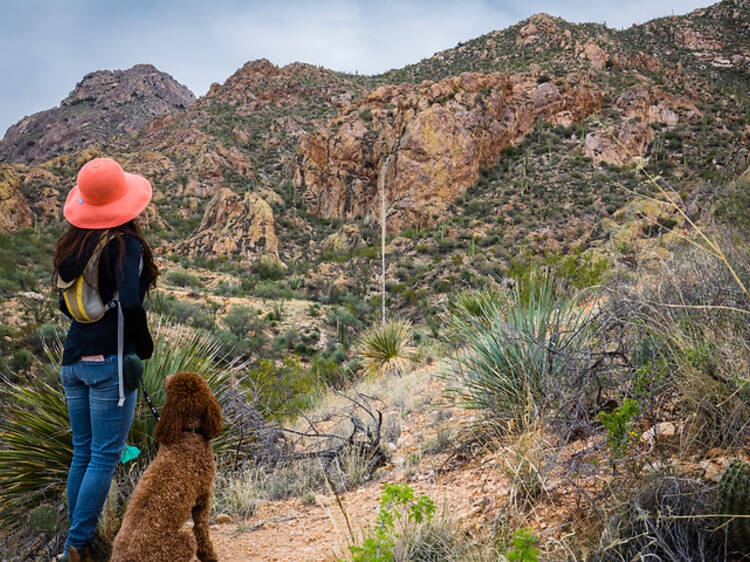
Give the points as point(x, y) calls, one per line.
point(105, 103)
point(424, 145)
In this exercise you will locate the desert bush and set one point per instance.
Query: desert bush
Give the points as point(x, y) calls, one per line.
point(473, 305)
point(518, 354)
point(184, 279)
point(239, 320)
point(268, 269)
point(386, 348)
point(281, 389)
point(664, 519)
point(181, 311)
point(690, 336)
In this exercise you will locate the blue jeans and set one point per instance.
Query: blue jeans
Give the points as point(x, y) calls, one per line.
point(99, 431)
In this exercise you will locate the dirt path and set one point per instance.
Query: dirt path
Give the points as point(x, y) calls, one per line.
point(288, 530)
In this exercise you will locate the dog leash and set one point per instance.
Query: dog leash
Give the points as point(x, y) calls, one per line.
point(148, 401)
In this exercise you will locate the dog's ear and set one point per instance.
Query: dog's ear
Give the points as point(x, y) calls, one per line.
point(211, 422)
point(169, 427)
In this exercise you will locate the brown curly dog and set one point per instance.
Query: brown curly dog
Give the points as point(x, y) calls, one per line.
point(178, 481)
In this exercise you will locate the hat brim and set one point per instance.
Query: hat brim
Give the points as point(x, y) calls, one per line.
point(130, 205)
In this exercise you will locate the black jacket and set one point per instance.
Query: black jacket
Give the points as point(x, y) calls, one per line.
point(100, 337)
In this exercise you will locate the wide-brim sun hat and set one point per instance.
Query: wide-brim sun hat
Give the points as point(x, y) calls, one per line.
point(106, 196)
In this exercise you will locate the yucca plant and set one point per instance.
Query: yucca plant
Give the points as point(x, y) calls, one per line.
point(35, 438)
point(386, 348)
point(516, 352)
point(35, 448)
point(469, 307)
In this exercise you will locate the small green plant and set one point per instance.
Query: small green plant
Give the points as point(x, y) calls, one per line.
point(523, 546)
point(43, 518)
point(397, 503)
point(619, 425)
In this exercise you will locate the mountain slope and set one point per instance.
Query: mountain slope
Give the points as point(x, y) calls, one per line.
point(105, 103)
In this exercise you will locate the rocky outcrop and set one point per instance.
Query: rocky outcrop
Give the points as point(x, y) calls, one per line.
point(344, 240)
point(639, 106)
point(620, 144)
point(105, 103)
point(595, 54)
point(14, 210)
point(424, 145)
point(260, 83)
point(236, 226)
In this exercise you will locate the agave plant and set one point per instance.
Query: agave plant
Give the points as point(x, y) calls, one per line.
point(35, 438)
point(386, 348)
point(516, 352)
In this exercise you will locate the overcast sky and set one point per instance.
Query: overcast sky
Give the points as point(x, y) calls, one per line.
point(46, 46)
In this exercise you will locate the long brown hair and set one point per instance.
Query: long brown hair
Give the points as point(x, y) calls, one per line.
point(77, 240)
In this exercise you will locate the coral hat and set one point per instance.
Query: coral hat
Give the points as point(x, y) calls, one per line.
point(105, 195)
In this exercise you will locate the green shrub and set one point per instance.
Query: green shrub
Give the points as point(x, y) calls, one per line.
point(239, 320)
point(618, 424)
point(184, 279)
point(398, 504)
point(186, 312)
point(268, 268)
point(517, 354)
point(282, 389)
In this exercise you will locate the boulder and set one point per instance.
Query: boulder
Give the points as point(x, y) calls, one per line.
point(661, 432)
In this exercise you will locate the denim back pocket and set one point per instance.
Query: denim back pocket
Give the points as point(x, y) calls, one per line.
point(93, 373)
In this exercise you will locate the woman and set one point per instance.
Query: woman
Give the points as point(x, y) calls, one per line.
point(104, 204)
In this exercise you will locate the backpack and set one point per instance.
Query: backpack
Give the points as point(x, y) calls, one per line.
point(81, 296)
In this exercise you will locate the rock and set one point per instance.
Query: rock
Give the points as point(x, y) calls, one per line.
point(344, 240)
point(714, 468)
point(619, 145)
point(235, 225)
point(392, 447)
point(595, 54)
point(14, 209)
point(105, 103)
point(223, 518)
point(662, 432)
point(652, 106)
point(430, 146)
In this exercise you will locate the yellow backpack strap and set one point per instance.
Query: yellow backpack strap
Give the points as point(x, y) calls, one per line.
point(73, 291)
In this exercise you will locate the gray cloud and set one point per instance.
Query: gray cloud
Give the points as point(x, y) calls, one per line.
point(47, 46)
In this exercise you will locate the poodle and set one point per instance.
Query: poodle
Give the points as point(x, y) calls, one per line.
point(178, 481)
